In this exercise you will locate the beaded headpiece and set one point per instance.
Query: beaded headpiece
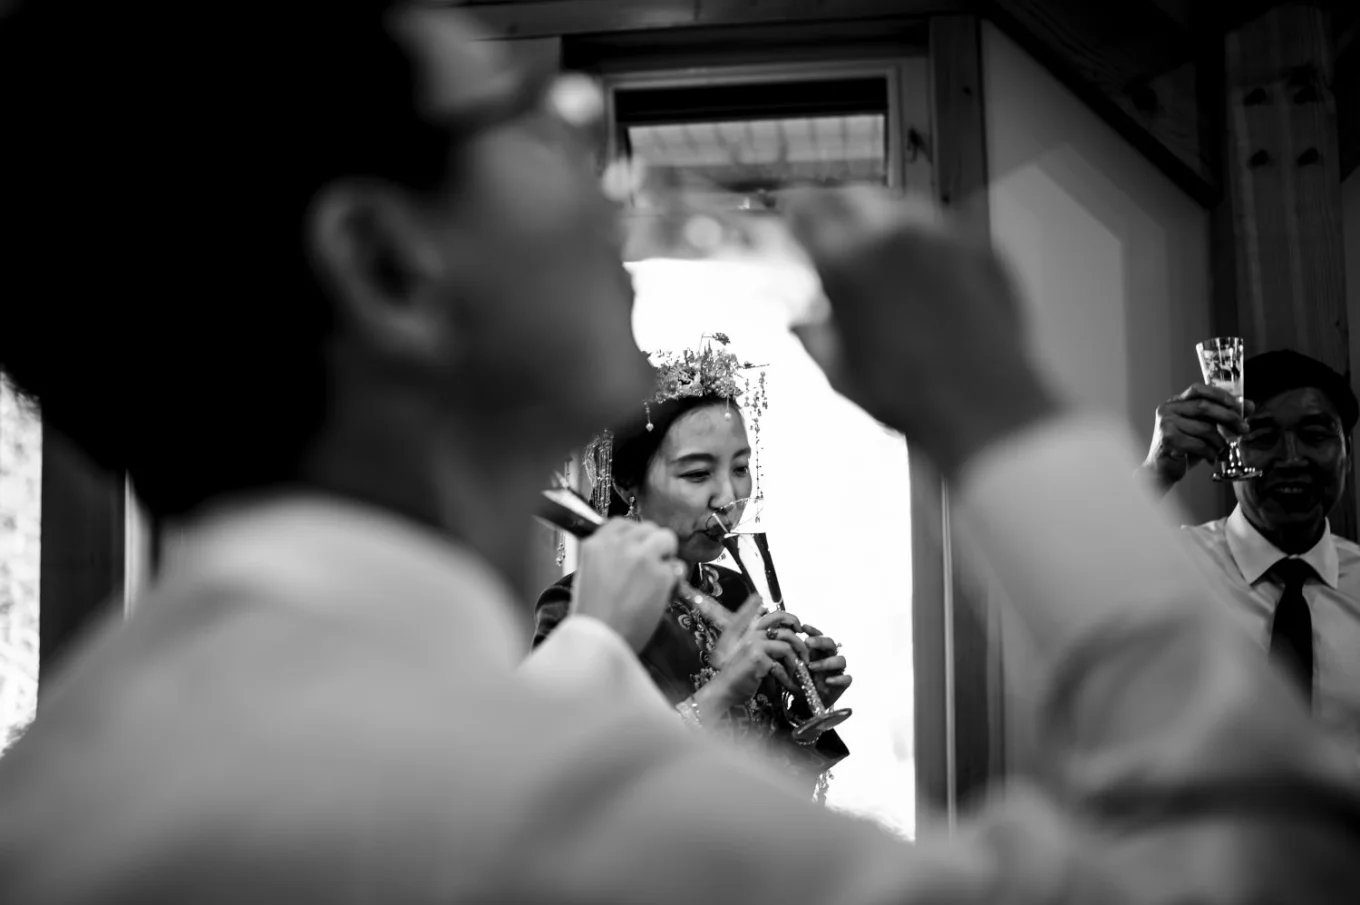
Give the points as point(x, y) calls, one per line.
point(711, 371)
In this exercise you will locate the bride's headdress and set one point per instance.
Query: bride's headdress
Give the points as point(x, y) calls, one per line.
point(710, 372)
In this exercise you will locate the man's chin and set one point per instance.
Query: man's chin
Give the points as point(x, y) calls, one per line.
point(1295, 512)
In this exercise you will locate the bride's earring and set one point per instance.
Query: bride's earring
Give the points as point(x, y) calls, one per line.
point(632, 508)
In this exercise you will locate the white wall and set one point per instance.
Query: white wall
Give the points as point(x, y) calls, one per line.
point(1116, 263)
point(1115, 258)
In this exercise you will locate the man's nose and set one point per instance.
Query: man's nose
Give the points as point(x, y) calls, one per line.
point(1291, 448)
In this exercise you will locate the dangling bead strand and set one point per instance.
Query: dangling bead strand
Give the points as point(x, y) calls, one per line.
point(602, 454)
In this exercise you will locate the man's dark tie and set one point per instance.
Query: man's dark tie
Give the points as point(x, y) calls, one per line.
point(1291, 631)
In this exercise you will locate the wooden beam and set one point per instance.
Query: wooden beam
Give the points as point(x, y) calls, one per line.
point(959, 120)
point(1222, 18)
point(1181, 12)
point(545, 18)
point(959, 738)
point(1346, 88)
point(932, 727)
point(1134, 66)
point(1347, 29)
point(1283, 174)
point(83, 522)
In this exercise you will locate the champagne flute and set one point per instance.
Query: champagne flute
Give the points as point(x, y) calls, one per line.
point(740, 516)
point(1222, 362)
point(745, 530)
point(735, 231)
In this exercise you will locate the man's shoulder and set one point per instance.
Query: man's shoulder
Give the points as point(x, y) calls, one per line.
point(1211, 532)
point(1346, 546)
point(1207, 544)
point(1347, 557)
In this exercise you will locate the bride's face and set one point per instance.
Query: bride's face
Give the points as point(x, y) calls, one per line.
point(702, 465)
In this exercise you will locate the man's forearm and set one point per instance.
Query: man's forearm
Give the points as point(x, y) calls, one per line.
point(982, 421)
point(1156, 482)
point(1077, 547)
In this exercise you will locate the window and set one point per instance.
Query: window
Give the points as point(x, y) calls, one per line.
point(20, 561)
point(760, 136)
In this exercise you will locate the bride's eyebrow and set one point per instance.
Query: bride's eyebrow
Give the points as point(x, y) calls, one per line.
point(694, 459)
point(701, 458)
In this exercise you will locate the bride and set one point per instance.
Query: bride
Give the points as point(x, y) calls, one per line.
point(685, 464)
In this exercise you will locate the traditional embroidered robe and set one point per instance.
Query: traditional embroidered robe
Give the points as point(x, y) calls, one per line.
point(676, 657)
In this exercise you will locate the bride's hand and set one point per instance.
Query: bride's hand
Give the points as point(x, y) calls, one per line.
point(768, 648)
point(826, 665)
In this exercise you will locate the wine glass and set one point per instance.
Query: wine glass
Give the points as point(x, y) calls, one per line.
point(1222, 362)
point(740, 516)
point(748, 545)
point(671, 216)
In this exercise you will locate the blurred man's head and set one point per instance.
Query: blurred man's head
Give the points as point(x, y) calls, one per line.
point(335, 244)
point(1301, 438)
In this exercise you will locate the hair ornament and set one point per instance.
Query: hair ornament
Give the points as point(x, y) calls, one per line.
point(710, 371)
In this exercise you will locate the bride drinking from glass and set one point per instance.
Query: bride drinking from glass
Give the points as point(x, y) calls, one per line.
point(685, 463)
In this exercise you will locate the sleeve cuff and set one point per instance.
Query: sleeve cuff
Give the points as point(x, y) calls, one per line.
point(585, 656)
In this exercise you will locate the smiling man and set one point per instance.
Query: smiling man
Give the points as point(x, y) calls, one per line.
point(1295, 585)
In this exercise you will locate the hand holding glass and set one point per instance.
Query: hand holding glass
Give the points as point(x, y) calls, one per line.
point(1222, 362)
point(741, 521)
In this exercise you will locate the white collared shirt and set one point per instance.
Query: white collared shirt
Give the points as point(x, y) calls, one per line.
point(1237, 558)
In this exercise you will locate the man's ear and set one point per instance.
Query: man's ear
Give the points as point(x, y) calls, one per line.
point(380, 263)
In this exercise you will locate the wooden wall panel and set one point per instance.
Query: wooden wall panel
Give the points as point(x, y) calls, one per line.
point(83, 551)
point(555, 18)
point(1284, 177)
point(1283, 171)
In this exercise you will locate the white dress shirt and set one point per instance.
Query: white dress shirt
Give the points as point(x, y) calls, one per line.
point(322, 703)
point(1237, 558)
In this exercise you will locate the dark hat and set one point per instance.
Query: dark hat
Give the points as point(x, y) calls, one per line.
point(1271, 373)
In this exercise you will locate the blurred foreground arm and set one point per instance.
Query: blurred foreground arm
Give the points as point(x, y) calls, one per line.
point(1176, 748)
point(588, 630)
point(361, 758)
point(929, 337)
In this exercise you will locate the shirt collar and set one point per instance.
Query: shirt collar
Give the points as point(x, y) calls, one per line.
point(1255, 556)
point(396, 577)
